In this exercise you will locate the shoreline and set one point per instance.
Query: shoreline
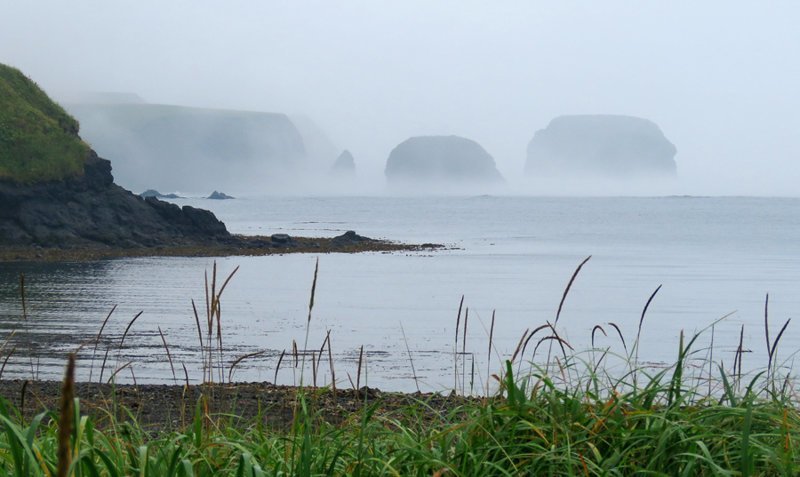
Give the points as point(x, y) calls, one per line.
point(237, 245)
point(168, 407)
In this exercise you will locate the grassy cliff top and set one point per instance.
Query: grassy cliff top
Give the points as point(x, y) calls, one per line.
point(38, 139)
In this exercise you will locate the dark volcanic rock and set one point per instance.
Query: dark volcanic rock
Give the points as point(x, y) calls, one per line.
point(606, 145)
point(281, 239)
point(92, 210)
point(219, 196)
point(350, 238)
point(445, 160)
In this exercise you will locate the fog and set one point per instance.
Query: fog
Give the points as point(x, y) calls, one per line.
point(719, 78)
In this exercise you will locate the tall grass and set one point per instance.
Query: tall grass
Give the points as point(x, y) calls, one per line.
point(534, 425)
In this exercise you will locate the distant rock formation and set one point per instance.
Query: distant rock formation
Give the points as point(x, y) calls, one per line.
point(441, 160)
point(219, 196)
point(56, 192)
point(345, 165)
point(605, 145)
point(176, 147)
point(158, 195)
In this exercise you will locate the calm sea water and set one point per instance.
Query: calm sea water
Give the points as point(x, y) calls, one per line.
point(511, 256)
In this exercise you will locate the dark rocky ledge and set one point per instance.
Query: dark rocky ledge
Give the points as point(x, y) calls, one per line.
point(91, 218)
point(91, 211)
point(234, 245)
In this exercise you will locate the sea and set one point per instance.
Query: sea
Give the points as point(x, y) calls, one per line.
point(728, 269)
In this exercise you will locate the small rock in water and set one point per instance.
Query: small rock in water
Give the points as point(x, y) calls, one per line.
point(219, 196)
point(158, 195)
point(344, 166)
point(351, 236)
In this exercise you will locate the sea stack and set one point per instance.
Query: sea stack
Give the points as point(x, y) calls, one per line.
point(610, 146)
point(345, 165)
point(434, 161)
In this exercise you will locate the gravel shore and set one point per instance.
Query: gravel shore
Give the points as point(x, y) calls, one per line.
point(171, 407)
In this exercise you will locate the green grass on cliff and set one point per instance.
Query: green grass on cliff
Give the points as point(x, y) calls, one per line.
point(38, 139)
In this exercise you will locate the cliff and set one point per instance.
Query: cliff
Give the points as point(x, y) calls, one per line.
point(194, 149)
point(606, 145)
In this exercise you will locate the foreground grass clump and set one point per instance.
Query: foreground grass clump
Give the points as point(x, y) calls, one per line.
point(532, 426)
point(38, 139)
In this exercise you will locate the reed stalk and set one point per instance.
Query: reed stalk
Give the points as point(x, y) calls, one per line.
point(22, 296)
point(65, 419)
point(330, 362)
point(489, 354)
point(410, 358)
point(97, 339)
point(464, 350)
point(455, 345)
point(639, 334)
point(564, 298)
point(169, 355)
point(358, 370)
point(308, 321)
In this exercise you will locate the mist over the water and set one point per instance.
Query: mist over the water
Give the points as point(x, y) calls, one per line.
point(718, 78)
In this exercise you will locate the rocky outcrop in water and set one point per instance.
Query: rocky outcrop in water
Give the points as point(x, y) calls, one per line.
point(158, 195)
point(350, 237)
point(441, 160)
point(216, 195)
point(605, 145)
point(345, 165)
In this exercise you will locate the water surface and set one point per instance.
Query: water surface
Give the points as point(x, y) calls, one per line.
point(511, 255)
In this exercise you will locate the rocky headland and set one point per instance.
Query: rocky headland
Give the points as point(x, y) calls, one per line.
point(600, 145)
point(56, 192)
point(58, 199)
point(434, 161)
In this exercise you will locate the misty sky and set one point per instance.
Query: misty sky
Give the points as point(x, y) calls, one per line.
point(720, 78)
